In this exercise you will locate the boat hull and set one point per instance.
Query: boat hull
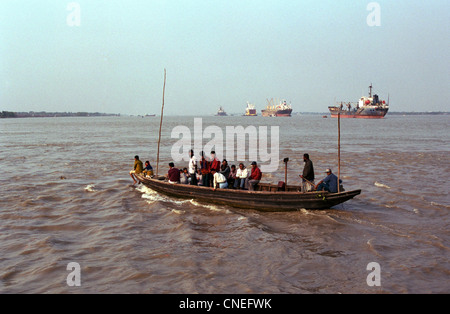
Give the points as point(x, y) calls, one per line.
point(269, 199)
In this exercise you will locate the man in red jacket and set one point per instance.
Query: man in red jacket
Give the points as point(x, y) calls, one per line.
point(174, 174)
point(255, 177)
point(214, 165)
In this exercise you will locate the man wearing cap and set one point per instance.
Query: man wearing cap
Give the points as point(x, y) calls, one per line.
point(255, 176)
point(330, 183)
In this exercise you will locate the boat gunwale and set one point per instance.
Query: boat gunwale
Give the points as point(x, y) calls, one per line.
point(327, 194)
point(266, 201)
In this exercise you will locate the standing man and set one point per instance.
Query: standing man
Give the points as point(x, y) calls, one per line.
point(255, 177)
point(214, 165)
point(205, 170)
point(192, 168)
point(138, 168)
point(308, 174)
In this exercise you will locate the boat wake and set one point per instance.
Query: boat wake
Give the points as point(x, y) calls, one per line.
point(210, 207)
point(152, 197)
point(381, 185)
point(372, 247)
point(440, 205)
point(90, 188)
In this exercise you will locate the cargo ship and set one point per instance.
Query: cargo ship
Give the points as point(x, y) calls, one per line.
point(250, 110)
point(371, 107)
point(221, 112)
point(281, 110)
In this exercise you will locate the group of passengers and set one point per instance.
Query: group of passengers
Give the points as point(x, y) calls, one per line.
point(210, 172)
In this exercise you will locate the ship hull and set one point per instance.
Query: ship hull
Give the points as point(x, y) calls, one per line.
point(251, 113)
point(283, 113)
point(367, 113)
point(276, 113)
point(266, 113)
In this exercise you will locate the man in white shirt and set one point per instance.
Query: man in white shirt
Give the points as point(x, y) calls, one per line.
point(219, 180)
point(241, 177)
point(192, 168)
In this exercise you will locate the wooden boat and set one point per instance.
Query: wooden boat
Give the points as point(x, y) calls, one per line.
point(267, 197)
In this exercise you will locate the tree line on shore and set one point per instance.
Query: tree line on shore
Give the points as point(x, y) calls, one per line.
point(43, 114)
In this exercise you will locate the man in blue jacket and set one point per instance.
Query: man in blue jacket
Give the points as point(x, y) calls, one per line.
point(330, 183)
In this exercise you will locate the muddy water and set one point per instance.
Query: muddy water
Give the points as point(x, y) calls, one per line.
point(65, 197)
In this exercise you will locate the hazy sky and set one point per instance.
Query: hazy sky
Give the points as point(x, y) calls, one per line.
point(221, 53)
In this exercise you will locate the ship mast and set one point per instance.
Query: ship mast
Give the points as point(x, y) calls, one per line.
point(370, 90)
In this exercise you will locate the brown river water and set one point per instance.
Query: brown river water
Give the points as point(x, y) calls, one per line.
point(65, 197)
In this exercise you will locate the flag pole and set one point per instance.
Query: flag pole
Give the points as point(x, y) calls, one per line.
point(160, 124)
point(339, 151)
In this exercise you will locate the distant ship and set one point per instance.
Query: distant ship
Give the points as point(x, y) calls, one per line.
point(366, 108)
point(250, 110)
point(281, 110)
point(221, 112)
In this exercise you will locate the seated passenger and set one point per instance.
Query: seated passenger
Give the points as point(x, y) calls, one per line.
point(330, 183)
point(241, 177)
point(184, 176)
point(255, 176)
point(225, 169)
point(232, 176)
point(219, 180)
point(174, 174)
point(199, 177)
point(148, 170)
point(138, 167)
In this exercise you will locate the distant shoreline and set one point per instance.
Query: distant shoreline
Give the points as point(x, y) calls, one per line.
point(44, 114)
point(407, 113)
